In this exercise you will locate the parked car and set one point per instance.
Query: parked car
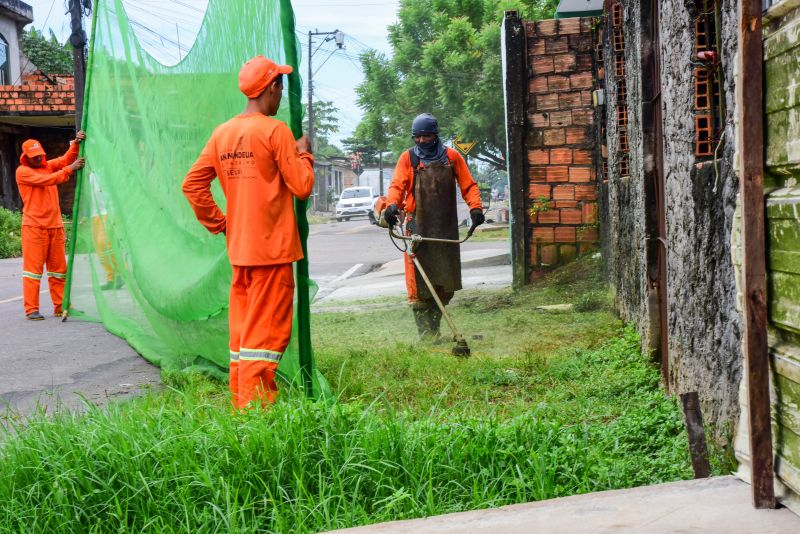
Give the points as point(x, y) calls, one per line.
point(354, 202)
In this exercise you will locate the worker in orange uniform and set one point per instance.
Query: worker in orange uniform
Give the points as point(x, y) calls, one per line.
point(261, 169)
point(424, 185)
point(43, 237)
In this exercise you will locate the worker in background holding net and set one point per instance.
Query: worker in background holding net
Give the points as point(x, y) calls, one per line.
point(260, 167)
point(43, 237)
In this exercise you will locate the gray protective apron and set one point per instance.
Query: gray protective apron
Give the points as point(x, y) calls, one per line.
point(436, 216)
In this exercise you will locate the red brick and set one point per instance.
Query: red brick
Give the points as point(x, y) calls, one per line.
point(534, 254)
point(581, 80)
point(557, 83)
point(543, 64)
point(564, 192)
point(582, 117)
point(586, 24)
point(585, 192)
point(560, 204)
point(538, 85)
point(564, 234)
point(582, 157)
point(580, 174)
point(560, 118)
point(547, 27)
point(543, 233)
point(549, 255)
point(538, 174)
point(554, 137)
point(536, 47)
point(539, 157)
point(540, 120)
point(576, 136)
point(569, 100)
point(546, 102)
point(583, 248)
point(560, 156)
point(586, 235)
point(557, 173)
point(548, 216)
point(539, 192)
point(569, 26)
point(557, 46)
point(570, 216)
point(586, 98)
point(589, 213)
point(563, 63)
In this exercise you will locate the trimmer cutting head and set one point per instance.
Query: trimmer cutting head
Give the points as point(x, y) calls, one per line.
point(461, 349)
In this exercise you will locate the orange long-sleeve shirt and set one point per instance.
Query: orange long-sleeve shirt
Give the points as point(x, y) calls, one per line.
point(37, 188)
point(259, 168)
point(400, 192)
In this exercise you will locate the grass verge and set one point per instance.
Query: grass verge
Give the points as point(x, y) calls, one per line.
point(10, 233)
point(551, 404)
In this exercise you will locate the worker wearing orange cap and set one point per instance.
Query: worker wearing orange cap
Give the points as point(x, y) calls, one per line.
point(43, 237)
point(261, 168)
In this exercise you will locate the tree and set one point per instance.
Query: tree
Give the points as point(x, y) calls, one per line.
point(326, 122)
point(49, 56)
point(446, 61)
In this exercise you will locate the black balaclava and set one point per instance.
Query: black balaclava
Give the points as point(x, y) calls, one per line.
point(433, 151)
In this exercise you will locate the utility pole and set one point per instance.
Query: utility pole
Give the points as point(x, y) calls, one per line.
point(78, 41)
point(336, 36)
point(380, 172)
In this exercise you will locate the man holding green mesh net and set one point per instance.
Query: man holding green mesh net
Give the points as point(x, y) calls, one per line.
point(260, 167)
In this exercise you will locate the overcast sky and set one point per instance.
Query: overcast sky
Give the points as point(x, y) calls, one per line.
point(363, 22)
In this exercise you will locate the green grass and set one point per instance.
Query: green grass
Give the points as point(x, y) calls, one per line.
point(487, 234)
point(551, 404)
point(10, 233)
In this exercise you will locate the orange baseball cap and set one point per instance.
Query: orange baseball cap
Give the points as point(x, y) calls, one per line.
point(32, 148)
point(258, 73)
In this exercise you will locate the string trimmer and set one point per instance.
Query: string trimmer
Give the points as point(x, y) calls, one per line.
point(461, 348)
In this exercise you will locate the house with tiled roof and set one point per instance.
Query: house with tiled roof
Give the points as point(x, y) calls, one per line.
point(32, 105)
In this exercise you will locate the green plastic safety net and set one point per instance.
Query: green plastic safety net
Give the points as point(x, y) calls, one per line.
point(139, 260)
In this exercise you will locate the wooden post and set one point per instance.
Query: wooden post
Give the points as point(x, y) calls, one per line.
point(515, 72)
point(751, 176)
point(696, 433)
point(78, 41)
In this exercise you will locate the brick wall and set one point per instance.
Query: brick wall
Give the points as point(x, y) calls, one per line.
point(39, 95)
point(563, 181)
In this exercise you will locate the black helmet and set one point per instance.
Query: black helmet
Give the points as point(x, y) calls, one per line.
point(425, 123)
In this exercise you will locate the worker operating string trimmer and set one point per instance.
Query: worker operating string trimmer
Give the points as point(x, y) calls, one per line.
point(424, 188)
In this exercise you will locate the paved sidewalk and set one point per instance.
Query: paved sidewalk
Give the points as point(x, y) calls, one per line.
point(53, 363)
point(715, 505)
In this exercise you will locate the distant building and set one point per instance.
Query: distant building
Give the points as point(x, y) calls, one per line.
point(579, 8)
point(31, 105)
point(332, 176)
point(371, 177)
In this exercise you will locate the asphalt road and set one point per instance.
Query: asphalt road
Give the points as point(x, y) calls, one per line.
point(54, 364)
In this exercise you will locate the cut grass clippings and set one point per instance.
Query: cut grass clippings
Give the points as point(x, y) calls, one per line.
point(551, 404)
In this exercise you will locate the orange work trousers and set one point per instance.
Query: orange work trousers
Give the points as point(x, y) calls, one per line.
point(103, 246)
point(260, 318)
point(43, 247)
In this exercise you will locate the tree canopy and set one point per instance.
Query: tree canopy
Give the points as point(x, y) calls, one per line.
point(49, 56)
point(446, 61)
point(326, 122)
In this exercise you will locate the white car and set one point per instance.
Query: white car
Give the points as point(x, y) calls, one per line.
point(354, 202)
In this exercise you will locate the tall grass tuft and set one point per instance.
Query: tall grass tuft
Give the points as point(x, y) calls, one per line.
point(179, 462)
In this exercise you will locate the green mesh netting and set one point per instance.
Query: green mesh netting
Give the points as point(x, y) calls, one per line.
point(139, 260)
